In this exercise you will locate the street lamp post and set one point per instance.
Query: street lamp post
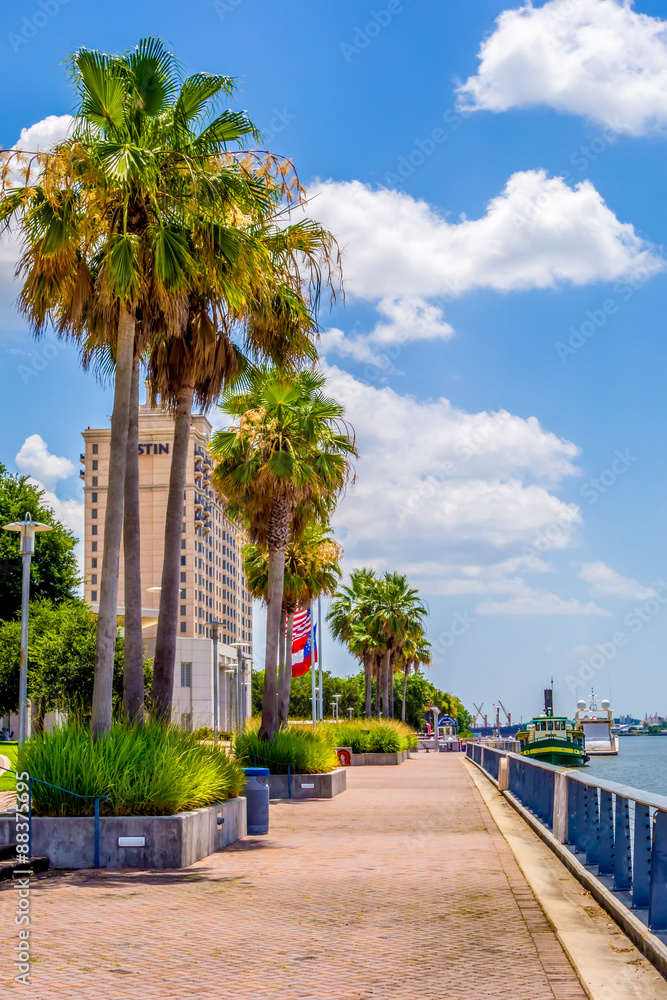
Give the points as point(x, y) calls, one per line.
point(27, 528)
point(240, 688)
point(216, 677)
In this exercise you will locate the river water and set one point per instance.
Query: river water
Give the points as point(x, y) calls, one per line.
point(641, 763)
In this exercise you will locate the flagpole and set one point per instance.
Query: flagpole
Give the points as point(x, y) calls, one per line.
point(319, 656)
point(312, 663)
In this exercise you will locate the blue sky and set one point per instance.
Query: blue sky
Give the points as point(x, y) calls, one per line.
point(501, 349)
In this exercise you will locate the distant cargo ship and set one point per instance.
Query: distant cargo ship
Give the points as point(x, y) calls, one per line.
point(598, 726)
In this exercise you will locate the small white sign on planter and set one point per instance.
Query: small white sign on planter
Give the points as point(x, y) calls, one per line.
point(131, 841)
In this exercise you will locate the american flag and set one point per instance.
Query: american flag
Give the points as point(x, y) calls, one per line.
point(301, 651)
point(300, 629)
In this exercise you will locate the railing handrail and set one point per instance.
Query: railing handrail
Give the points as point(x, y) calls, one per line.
point(645, 798)
point(99, 795)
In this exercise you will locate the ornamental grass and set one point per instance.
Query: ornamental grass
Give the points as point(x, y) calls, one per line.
point(304, 750)
point(372, 735)
point(152, 770)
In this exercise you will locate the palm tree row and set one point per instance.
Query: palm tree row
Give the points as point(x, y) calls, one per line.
point(146, 236)
point(381, 620)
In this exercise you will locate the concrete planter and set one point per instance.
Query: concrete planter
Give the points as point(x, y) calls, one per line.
point(170, 841)
point(375, 759)
point(308, 786)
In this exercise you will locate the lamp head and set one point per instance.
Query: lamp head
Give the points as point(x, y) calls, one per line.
point(28, 529)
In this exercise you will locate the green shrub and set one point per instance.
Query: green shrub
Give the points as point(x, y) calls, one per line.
point(372, 735)
point(149, 771)
point(305, 750)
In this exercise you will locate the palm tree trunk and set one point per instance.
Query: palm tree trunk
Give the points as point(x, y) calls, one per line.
point(368, 680)
point(408, 664)
point(391, 685)
point(165, 643)
point(286, 686)
point(378, 684)
point(278, 536)
point(133, 663)
point(113, 528)
point(385, 683)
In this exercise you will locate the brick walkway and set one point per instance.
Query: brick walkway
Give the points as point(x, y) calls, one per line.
point(400, 888)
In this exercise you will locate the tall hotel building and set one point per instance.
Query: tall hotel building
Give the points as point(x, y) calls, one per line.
point(213, 585)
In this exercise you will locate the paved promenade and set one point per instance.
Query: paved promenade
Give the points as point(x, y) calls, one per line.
point(400, 888)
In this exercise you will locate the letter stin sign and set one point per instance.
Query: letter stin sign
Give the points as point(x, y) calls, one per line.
point(153, 449)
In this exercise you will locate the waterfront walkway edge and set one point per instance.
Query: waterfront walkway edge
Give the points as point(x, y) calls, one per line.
point(645, 941)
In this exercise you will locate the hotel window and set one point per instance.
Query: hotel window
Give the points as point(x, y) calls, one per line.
point(183, 563)
point(94, 529)
point(186, 675)
point(93, 596)
point(183, 577)
point(94, 498)
point(182, 606)
point(95, 464)
point(93, 563)
point(183, 595)
point(183, 626)
point(95, 449)
point(94, 512)
point(182, 546)
point(186, 720)
point(93, 578)
point(94, 547)
point(94, 480)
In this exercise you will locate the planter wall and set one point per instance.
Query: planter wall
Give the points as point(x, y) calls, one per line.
point(374, 759)
point(308, 786)
point(171, 841)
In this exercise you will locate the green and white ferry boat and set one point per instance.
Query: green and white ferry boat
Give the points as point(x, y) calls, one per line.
point(553, 739)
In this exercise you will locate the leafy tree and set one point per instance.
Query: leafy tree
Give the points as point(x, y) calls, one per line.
point(54, 573)
point(289, 452)
point(61, 659)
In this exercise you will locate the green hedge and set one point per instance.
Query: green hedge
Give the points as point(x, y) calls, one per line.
point(154, 770)
point(372, 735)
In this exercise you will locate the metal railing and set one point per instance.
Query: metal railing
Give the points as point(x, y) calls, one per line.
point(619, 833)
point(96, 807)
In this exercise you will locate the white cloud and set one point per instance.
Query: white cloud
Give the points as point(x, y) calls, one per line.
point(537, 233)
point(404, 321)
point(597, 58)
point(606, 582)
point(45, 133)
point(35, 460)
point(448, 496)
point(539, 602)
point(70, 512)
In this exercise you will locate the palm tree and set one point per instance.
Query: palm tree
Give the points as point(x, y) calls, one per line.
point(416, 652)
point(103, 229)
point(398, 609)
point(350, 620)
point(290, 451)
point(312, 568)
point(245, 277)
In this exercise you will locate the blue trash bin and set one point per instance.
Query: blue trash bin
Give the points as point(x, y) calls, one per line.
point(256, 792)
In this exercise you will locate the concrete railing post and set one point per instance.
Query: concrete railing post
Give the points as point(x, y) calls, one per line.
point(503, 774)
